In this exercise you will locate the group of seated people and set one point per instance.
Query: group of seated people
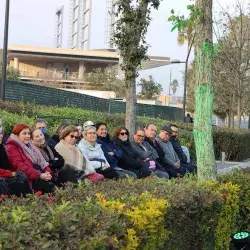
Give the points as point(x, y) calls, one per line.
point(31, 161)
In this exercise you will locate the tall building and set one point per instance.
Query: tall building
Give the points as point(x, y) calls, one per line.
point(80, 22)
point(59, 27)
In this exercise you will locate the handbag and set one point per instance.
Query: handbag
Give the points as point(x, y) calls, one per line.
point(95, 177)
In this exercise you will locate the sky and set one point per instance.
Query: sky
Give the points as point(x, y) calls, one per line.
point(32, 22)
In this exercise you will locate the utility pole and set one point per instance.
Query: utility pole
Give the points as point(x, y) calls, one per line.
point(170, 81)
point(5, 50)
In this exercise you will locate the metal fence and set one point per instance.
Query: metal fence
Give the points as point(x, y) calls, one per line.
point(26, 92)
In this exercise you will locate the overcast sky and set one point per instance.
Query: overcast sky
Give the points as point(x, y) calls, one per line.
point(32, 22)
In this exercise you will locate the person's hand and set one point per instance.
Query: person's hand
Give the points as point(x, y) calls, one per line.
point(111, 153)
point(146, 160)
point(46, 176)
point(105, 167)
point(13, 174)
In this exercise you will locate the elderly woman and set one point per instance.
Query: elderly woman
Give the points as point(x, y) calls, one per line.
point(130, 160)
point(111, 152)
point(25, 157)
point(11, 183)
point(147, 153)
point(72, 155)
point(56, 162)
point(94, 154)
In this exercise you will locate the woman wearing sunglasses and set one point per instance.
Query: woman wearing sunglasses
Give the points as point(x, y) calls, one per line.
point(73, 156)
point(130, 160)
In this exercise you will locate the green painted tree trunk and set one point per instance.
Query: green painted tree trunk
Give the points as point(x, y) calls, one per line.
point(204, 92)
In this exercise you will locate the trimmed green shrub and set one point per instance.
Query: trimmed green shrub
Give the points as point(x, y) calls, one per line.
point(235, 142)
point(143, 214)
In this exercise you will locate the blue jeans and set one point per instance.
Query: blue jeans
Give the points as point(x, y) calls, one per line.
point(161, 174)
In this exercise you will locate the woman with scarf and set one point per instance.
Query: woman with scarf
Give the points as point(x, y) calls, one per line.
point(63, 171)
point(94, 154)
point(11, 183)
point(73, 157)
point(25, 157)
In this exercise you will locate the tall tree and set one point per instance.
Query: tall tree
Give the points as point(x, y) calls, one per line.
point(130, 38)
point(149, 89)
point(232, 30)
point(204, 88)
point(204, 91)
point(174, 85)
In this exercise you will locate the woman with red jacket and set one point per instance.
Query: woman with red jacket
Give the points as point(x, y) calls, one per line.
point(25, 157)
point(11, 183)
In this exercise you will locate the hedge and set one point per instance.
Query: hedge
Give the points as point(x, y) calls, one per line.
point(235, 142)
point(144, 214)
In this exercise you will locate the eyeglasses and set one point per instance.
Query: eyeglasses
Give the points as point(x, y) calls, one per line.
point(74, 137)
point(40, 127)
point(124, 133)
point(91, 133)
point(142, 136)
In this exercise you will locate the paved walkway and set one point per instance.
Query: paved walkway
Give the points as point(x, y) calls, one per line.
point(229, 166)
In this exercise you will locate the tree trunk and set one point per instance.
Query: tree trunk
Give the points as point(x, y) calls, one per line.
point(131, 106)
point(204, 92)
point(239, 112)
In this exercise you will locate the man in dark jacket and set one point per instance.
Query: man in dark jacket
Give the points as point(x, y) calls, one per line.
point(178, 149)
point(150, 134)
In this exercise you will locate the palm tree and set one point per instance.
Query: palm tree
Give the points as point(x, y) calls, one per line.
point(174, 85)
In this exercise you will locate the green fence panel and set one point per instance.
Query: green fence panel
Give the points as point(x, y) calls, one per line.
point(27, 92)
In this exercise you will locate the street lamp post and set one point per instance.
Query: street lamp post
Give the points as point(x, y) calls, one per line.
point(169, 90)
point(5, 50)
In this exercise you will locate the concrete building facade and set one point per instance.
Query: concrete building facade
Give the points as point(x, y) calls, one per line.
point(66, 65)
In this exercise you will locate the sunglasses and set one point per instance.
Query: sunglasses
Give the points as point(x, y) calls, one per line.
point(124, 133)
point(74, 137)
point(142, 136)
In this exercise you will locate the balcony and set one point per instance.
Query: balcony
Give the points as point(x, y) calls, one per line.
point(50, 76)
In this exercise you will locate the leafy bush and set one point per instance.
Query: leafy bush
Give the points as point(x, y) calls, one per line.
point(242, 179)
point(235, 142)
point(143, 214)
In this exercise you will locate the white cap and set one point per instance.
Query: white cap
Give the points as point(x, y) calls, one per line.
point(88, 123)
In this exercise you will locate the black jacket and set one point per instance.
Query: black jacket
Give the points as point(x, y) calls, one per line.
point(4, 162)
point(129, 159)
point(178, 149)
point(58, 161)
point(108, 146)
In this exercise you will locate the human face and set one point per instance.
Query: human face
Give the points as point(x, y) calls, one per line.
point(79, 128)
point(24, 136)
point(123, 136)
point(38, 137)
point(1, 137)
point(139, 136)
point(91, 136)
point(164, 135)
point(175, 131)
point(40, 125)
point(102, 131)
point(71, 138)
point(150, 131)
